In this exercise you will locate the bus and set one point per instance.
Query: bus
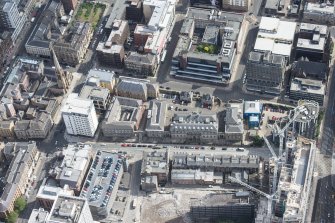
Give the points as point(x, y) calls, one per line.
point(163, 56)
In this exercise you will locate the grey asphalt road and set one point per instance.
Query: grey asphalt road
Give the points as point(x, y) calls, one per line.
point(324, 205)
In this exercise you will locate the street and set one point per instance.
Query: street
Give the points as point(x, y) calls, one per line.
point(324, 203)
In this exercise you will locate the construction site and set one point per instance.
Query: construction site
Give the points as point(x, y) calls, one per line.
point(244, 188)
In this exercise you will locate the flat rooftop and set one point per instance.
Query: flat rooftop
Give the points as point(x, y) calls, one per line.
point(102, 75)
point(322, 29)
point(67, 209)
point(38, 216)
point(319, 8)
point(308, 86)
point(310, 44)
point(155, 162)
point(77, 105)
point(275, 36)
point(101, 179)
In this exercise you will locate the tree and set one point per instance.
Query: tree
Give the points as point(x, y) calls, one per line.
point(258, 141)
point(12, 217)
point(20, 204)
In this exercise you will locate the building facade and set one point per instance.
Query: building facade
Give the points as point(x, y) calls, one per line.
point(23, 158)
point(319, 13)
point(73, 51)
point(136, 88)
point(141, 65)
point(312, 42)
point(236, 5)
point(9, 15)
point(307, 89)
point(265, 72)
point(69, 5)
point(195, 128)
point(101, 78)
point(111, 52)
point(79, 116)
point(100, 96)
point(74, 166)
point(211, 57)
point(123, 118)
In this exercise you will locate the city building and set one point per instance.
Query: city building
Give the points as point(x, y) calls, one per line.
point(74, 167)
point(265, 72)
point(6, 47)
point(125, 10)
point(101, 78)
point(156, 163)
point(207, 101)
point(102, 183)
point(7, 129)
point(71, 49)
point(218, 163)
point(12, 18)
point(312, 42)
point(186, 97)
point(195, 128)
point(48, 192)
point(320, 13)
point(252, 113)
point(40, 40)
point(275, 36)
point(234, 127)
point(38, 216)
point(69, 5)
point(215, 207)
point(112, 56)
point(141, 65)
point(209, 54)
point(195, 176)
point(206, 4)
point(235, 5)
point(309, 69)
point(137, 89)
point(294, 183)
point(79, 116)
point(123, 118)
point(111, 52)
point(155, 125)
point(100, 96)
point(70, 208)
point(271, 7)
point(9, 15)
point(37, 128)
point(22, 158)
point(307, 89)
point(149, 184)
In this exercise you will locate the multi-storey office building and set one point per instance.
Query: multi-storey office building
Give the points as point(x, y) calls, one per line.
point(79, 116)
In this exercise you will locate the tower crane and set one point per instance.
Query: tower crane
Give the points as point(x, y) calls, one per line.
point(270, 198)
point(300, 113)
point(276, 160)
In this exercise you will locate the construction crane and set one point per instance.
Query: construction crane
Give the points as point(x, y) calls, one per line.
point(276, 160)
point(270, 198)
point(300, 113)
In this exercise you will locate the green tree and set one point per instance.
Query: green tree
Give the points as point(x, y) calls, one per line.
point(258, 141)
point(12, 217)
point(20, 204)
